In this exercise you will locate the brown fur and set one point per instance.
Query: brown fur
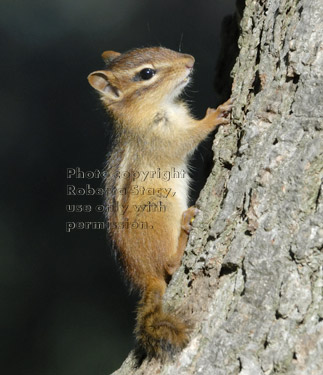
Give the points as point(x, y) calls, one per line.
point(154, 130)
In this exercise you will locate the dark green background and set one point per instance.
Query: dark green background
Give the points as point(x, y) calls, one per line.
point(65, 309)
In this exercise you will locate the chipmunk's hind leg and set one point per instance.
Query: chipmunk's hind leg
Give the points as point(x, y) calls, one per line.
point(187, 219)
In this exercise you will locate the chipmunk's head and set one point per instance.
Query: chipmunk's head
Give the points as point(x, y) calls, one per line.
point(142, 78)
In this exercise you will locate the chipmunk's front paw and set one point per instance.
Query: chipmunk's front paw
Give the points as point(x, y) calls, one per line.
point(220, 116)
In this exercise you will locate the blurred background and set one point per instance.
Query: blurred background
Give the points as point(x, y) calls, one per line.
point(65, 308)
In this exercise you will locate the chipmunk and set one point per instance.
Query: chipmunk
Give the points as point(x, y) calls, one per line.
point(148, 216)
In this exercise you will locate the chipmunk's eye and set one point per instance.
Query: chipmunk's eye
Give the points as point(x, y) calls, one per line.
point(147, 73)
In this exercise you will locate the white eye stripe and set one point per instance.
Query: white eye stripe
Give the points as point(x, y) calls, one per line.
point(143, 66)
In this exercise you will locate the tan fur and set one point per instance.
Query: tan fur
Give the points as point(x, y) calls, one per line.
point(154, 131)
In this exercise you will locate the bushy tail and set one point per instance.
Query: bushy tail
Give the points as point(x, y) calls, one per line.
point(159, 334)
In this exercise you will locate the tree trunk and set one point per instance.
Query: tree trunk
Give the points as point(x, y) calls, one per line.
point(251, 279)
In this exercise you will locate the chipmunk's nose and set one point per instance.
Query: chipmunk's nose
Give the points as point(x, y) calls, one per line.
point(189, 61)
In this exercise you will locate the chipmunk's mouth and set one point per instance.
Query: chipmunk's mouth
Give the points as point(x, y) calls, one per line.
point(184, 81)
point(187, 79)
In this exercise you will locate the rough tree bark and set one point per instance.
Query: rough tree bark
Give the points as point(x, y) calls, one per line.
point(251, 279)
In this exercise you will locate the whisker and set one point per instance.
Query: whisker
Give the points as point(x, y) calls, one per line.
point(180, 43)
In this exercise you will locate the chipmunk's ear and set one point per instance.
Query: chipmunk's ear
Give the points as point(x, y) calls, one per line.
point(101, 81)
point(108, 56)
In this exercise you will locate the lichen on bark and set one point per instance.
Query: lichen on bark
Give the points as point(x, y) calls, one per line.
point(251, 278)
